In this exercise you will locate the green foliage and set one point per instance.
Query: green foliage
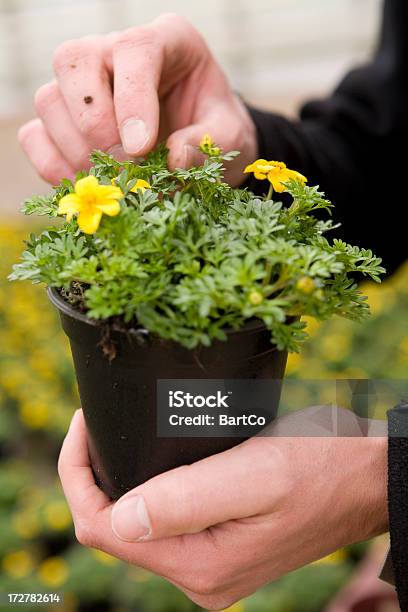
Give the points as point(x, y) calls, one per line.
point(192, 256)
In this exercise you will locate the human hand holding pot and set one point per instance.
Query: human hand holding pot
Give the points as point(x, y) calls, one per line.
point(224, 526)
point(123, 92)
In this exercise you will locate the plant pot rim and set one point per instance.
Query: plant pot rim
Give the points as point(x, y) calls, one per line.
point(66, 308)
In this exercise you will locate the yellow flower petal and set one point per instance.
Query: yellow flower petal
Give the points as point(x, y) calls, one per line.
point(206, 141)
point(140, 184)
point(297, 176)
point(88, 220)
point(253, 167)
point(104, 192)
point(278, 164)
point(86, 186)
point(109, 207)
point(277, 185)
point(70, 204)
point(208, 146)
point(280, 175)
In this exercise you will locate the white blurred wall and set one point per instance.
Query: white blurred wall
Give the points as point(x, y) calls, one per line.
point(275, 52)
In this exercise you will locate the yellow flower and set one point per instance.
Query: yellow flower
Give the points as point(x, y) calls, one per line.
point(18, 564)
point(312, 325)
point(53, 571)
point(335, 346)
point(140, 184)
point(57, 515)
point(293, 363)
point(236, 607)
point(90, 200)
point(276, 172)
point(26, 524)
point(34, 414)
point(104, 558)
point(208, 146)
point(335, 558)
point(206, 141)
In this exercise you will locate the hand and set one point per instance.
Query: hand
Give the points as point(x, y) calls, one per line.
point(224, 526)
point(125, 91)
point(365, 591)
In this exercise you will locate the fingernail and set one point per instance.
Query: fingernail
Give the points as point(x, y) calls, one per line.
point(130, 520)
point(134, 135)
point(118, 153)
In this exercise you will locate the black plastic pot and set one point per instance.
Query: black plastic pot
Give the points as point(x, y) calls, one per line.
point(118, 395)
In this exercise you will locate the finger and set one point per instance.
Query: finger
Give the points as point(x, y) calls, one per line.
point(84, 82)
point(91, 508)
point(83, 495)
point(183, 147)
point(224, 128)
point(51, 109)
point(43, 153)
point(148, 63)
point(191, 498)
point(137, 62)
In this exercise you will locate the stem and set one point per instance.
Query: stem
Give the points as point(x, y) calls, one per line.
point(270, 192)
point(280, 283)
point(293, 207)
point(268, 272)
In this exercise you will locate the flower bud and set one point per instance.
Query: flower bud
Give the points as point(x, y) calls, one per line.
point(255, 298)
point(306, 285)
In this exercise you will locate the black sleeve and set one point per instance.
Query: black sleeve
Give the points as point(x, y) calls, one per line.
point(353, 144)
point(398, 497)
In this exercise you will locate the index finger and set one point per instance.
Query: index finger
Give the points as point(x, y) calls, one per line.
point(84, 82)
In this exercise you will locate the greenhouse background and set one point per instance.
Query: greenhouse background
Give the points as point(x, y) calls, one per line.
point(276, 54)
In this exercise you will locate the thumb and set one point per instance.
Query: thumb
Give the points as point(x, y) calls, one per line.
point(183, 146)
point(191, 498)
point(224, 127)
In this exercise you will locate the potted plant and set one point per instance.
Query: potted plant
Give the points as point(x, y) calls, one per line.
point(161, 274)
